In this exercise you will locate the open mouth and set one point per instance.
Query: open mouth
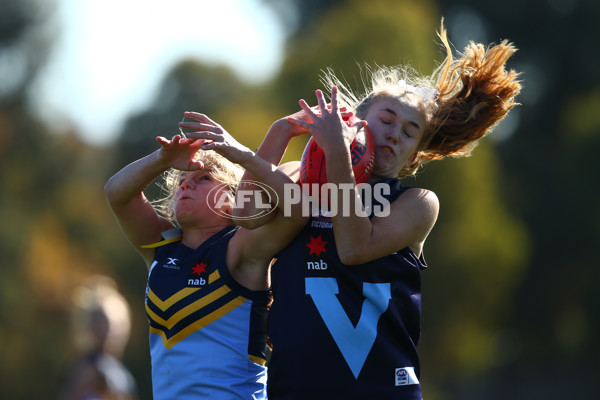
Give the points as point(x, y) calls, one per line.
point(388, 149)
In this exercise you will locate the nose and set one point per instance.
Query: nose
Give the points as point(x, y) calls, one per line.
point(392, 135)
point(186, 185)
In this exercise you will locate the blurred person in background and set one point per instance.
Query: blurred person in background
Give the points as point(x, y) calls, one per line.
point(101, 326)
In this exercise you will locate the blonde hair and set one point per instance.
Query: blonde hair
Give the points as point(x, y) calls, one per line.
point(474, 93)
point(215, 164)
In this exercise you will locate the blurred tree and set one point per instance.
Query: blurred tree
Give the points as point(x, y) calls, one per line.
point(56, 227)
point(22, 48)
point(549, 185)
point(20, 55)
point(298, 14)
point(190, 86)
point(351, 35)
point(478, 253)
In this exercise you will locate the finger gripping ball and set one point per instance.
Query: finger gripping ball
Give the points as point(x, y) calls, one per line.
point(362, 150)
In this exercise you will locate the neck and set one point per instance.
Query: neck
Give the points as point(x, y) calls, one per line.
point(374, 178)
point(194, 237)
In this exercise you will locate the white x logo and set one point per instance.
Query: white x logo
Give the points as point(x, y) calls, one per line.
point(172, 261)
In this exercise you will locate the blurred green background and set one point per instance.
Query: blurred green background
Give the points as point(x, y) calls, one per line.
point(511, 298)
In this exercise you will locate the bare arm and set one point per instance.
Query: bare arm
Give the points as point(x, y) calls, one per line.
point(124, 191)
point(272, 150)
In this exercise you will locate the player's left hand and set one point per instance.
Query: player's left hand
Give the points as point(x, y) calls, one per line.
point(326, 122)
point(215, 137)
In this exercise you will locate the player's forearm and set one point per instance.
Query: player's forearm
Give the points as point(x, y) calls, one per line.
point(271, 150)
point(274, 145)
point(131, 180)
point(352, 229)
point(272, 178)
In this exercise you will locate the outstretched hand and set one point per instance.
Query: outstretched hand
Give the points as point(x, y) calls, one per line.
point(215, 137)
point(179, 152)
point(307, 117)
point(325, 122)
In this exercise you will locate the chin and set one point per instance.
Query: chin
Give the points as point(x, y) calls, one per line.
point(185, 215)
point(381, 169)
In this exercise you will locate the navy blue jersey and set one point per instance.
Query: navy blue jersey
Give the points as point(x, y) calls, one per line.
point(344, 331)
point(207, 332)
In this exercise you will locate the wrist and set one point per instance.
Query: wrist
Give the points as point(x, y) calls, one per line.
point(282, 127)
point(335, 147)
point(159, 161)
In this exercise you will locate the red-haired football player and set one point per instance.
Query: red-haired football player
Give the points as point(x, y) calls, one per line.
point(345, 321)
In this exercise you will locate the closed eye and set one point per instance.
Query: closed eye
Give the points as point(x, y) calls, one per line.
point(201, 178)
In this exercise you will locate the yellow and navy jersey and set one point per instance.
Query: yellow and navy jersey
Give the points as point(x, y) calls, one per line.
point(208, 333)
point(339, 331)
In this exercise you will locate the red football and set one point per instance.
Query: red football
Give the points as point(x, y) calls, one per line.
point(312, 164)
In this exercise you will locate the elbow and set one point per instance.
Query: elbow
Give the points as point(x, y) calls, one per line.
point(112, 193)
point(109, 192)
point(351, 255)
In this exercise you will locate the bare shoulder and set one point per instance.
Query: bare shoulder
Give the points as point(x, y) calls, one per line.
point(422, 199)
point(410, 219)
point(418, 210)
point(420, 205)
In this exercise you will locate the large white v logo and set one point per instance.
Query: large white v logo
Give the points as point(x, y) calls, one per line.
point(355, 343)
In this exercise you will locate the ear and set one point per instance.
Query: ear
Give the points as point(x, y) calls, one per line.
point(227, 207)
point(224, 203)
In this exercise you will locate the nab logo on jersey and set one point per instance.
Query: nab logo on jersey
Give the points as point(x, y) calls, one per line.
point(316, 246)
point(198, 276)
point(316, 265)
